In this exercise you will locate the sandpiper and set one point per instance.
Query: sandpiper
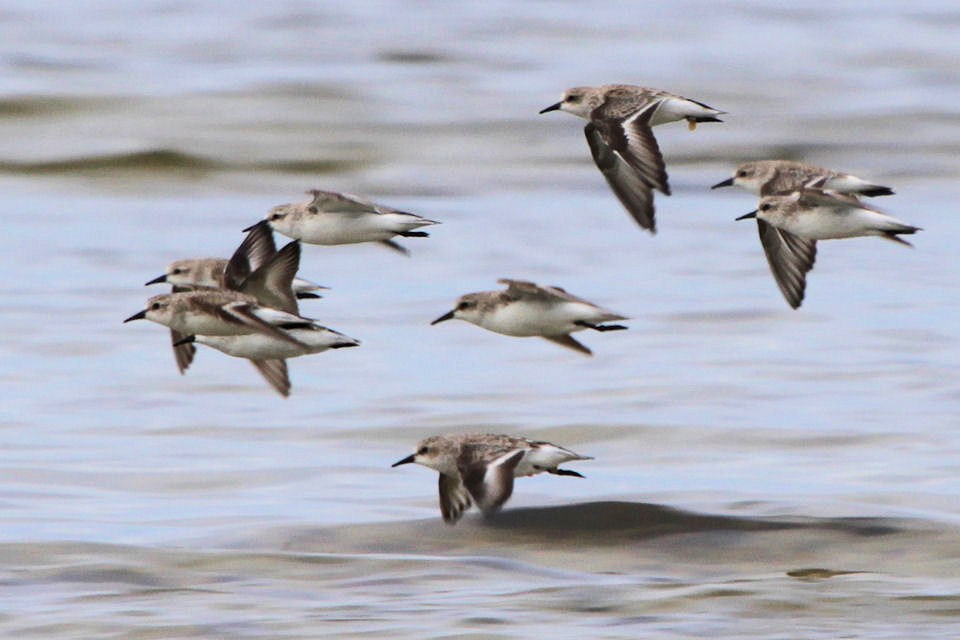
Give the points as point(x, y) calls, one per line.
point(256, 252)
point(340, 218)
point(791, 224)
point(217, 312)
point(528, 309)
point(619, 121)
point(226, 314)
point(769, 177)
point(207, 273)
point(483, 466)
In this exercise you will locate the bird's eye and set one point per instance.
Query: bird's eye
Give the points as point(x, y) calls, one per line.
point(155, 306)
point(276, 216)
point(766, 206)
point(423, 451)
point(176, 271)
point(462, 306)
point(574, 97)
point(742, 173)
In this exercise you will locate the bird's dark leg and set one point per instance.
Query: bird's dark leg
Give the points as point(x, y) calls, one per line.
point(564, 472)
point(600, 327)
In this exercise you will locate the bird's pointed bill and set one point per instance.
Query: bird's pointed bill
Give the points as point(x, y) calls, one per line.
point(406, 460)
point(723, 183)
point(747, 216)
point(447, 316)
point(139, 315)
point(553, 107)
point(157, 280)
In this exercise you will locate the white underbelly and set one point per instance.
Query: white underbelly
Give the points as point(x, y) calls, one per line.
point(829, 225)
point(336, 228)
point(254, 346)
point(531, 319)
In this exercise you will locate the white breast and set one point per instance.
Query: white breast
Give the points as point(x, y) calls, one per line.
point(255, 346)
point(826, 223)
point(535, 318)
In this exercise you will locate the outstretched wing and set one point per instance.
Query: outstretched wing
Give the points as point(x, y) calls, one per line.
point(272, 283)
point(255, 251)
point(790, 258)
point(454, 498)
point(399, 248)
point(490, 484)
point(275, 373)
point(182, 353)
point(568, 341)
point(628, 156)
point(632, 139)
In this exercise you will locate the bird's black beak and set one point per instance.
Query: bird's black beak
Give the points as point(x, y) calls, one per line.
point(406, 460)
point(187, 340)
point(252, 226)
point(139, 315)
point(156, 280)
point(726, 183)
point(553, 107)
point(747, 216)
point(447, 316)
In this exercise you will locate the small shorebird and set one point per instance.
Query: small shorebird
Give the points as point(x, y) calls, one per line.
point(227, 314)
point(340, 218)
point(770, 177)
point(258, 301)
point(207, 273)
point(483, 466)
point(791, 224)
point(217, 312)
point(527, 309)
point(620, 118)
point(256, 251)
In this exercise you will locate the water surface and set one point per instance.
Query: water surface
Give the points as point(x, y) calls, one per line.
point(759, 472)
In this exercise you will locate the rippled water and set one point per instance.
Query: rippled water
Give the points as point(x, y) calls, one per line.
point(759, 472)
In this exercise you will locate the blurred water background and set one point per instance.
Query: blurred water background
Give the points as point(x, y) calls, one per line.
point(759, 473)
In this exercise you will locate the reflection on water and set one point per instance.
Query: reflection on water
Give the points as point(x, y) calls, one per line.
point(751, 461)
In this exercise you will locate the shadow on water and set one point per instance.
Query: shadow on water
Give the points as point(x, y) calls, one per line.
point(613, 536)
point(640, 520)
point(598, 538)
point(590, 525)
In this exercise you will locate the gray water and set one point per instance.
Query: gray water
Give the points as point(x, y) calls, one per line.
point(759, 472)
